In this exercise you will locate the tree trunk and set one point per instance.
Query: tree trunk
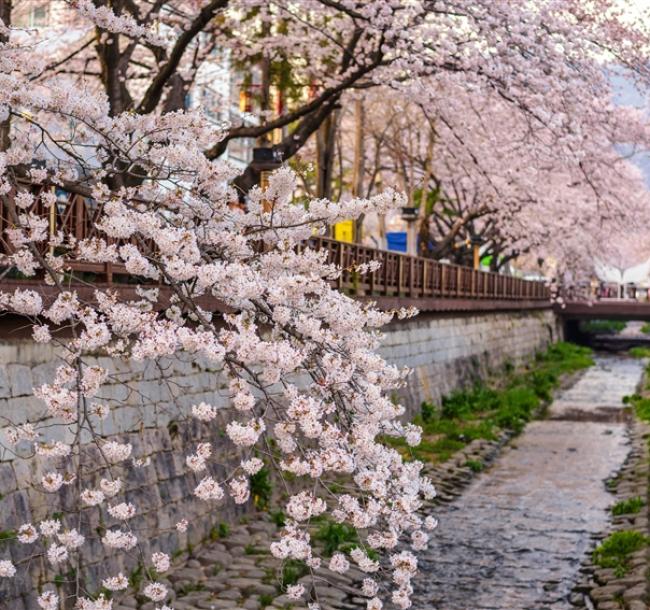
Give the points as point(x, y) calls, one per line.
point(265, 89)
point(358, 168)
point(325, 140)
point(383, 241)
point(176, 97)
point(113, 72)
point(423, 217)
point(5, 126)
point(289, 145)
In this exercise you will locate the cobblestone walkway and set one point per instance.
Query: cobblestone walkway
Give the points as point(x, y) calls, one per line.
point(515, 539)
point(236, 571)
point(511, 538)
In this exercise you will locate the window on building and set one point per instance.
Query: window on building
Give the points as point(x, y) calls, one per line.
point(38, 16)
point(32, 14)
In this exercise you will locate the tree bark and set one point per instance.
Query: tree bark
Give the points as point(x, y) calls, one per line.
point(325, 140)
point(265, 139)
point(152, 95)
point(175, 99)
point(5, 126)
point(423, 216)
point(358, 168)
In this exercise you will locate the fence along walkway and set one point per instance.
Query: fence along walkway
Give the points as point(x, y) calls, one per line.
point(415, 277)
point(403, 280)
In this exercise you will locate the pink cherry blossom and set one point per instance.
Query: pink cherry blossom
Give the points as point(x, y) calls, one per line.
point(506, 122)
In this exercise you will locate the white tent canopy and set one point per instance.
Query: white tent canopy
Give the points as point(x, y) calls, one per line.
point(638, 274)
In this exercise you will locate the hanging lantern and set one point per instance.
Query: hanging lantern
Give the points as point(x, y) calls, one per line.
point(245, 100)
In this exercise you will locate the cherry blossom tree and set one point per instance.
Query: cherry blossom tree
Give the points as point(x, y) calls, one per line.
point(312, 385)
point(543, 60)
point(475, 174)
point(102, 115)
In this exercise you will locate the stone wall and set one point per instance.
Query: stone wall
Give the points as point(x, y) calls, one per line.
point(449, 352)
point(151, 402)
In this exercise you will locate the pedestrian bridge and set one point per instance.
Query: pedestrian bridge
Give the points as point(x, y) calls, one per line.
point(608, 309)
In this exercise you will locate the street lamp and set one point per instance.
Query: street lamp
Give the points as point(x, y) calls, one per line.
point(410, 216)
point(476, 243)
point(265, 160)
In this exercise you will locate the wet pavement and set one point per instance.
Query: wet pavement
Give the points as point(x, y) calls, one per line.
point(516, 537)
point(630, 336)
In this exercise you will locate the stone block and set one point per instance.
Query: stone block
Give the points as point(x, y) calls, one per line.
point(31, 353)
point(144, 392)
point(20, 379)
point(44, 373)
point(606, 593)
point(636, 593)
point(56, 431)
point(5, 388)
point(17, 508)
point(116, 392)
point(126, 418)
point(22, 409)
point(8, 480)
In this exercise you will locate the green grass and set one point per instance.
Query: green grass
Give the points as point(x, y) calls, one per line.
point(565, 357)
point(278, 517)
point(481, 411)
point(218, 531)
point(642, 409)
point(516, 407)
point(639, 352)
point(190, 587)
point(628, 507)
point(475, 465)
point(462, 403)
point(335, 536)
point(614, 552)
point(602, 327)
point(136, 577)
point(261, 488)
point(292, 571)
point(645, 329)
point(640, 404)
point(251, 549)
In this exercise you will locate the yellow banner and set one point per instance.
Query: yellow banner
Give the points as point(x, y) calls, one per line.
point(344, 231)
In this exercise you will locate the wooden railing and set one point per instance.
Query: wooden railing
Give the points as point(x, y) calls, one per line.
point(399, 276)
point(74, 215)
point(414, 277)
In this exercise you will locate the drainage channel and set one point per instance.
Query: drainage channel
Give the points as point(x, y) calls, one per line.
point(516, 536)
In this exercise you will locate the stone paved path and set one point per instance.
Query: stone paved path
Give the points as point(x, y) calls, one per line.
point(633, 329)
point(516, 537)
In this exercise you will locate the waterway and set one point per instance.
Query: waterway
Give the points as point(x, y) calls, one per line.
point(517, 535)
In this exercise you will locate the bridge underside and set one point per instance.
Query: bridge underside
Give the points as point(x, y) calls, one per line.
point(604, 310)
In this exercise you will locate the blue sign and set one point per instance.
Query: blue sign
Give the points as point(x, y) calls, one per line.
point(396, 241)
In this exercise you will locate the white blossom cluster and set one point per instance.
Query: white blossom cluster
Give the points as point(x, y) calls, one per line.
point(325, 429)
point(306, 389)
